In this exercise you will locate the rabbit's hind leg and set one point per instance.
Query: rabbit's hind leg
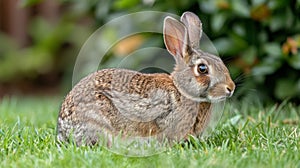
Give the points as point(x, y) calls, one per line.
point(85, 122)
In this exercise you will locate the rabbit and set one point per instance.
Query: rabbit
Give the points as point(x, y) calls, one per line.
point(165, 106)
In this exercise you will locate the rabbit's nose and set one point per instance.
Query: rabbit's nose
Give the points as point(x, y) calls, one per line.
point(229, 92)
point(230, 89)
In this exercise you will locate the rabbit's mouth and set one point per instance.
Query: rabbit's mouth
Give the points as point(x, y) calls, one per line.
point(217, 99)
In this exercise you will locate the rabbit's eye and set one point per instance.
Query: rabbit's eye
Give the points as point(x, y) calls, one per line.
point(202, 68)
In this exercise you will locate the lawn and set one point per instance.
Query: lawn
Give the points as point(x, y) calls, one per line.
point(247, 136)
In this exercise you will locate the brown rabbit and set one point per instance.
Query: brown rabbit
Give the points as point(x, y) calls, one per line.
point(113, 101)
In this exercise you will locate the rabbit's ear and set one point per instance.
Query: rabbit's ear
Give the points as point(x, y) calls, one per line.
point(176, 38)
point(194, 27)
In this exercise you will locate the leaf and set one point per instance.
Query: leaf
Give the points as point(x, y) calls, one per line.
point(249, 55)
point(241, 8)
point(268, 66)
point(223, 45)
point(276, 23)
point(218, 21)
point(230, 45)
point(262, 70)
point(273, 49)
point(208, 6)
point(281, 20)
point(239, 29)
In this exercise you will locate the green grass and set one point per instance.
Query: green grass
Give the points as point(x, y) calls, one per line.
point(248, 136)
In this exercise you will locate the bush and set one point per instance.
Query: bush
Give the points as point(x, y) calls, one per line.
point(259, 39)
point(262, 39)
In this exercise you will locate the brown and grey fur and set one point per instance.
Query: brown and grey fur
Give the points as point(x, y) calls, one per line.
point(173, 106)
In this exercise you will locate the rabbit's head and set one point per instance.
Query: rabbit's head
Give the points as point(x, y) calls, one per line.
point(198, 75)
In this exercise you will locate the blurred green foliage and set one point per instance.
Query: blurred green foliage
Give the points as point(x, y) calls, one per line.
point(259, 39)
point(262, 38)
point(52, 49)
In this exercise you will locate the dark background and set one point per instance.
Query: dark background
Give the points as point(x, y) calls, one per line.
point(259, 40)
